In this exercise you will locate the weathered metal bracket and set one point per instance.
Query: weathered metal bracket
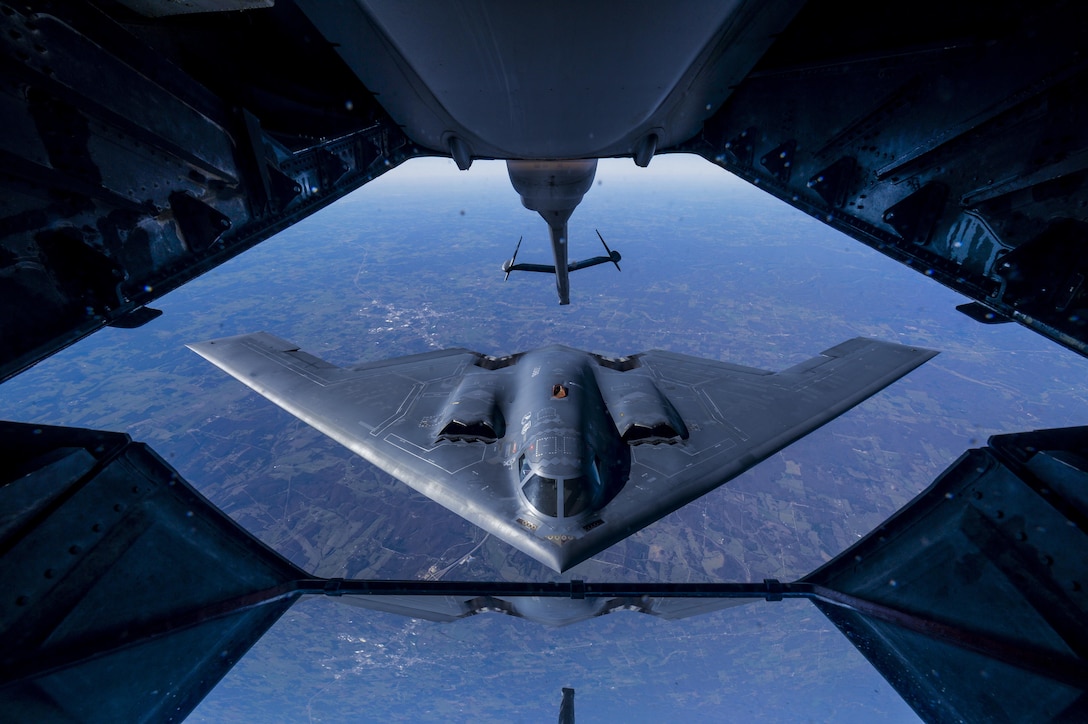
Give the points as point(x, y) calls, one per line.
point(833, 182)
point(779, 161)
point(915, 217)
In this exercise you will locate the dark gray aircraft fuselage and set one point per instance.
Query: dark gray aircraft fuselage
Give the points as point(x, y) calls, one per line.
point(570, 460)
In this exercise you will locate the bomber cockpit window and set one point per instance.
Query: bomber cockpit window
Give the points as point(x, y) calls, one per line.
point(541, 493)
point(578, 492)
point(576, 495)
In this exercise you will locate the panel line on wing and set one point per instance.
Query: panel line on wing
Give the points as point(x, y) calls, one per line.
point(418, 451)
point(698, 456)
point(721, 417)
point(284, 359)
point(400, 411)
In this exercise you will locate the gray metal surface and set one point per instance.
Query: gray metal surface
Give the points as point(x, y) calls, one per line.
point(629, 440)
point(561, 80)
point(126, 595)
point(993, 557)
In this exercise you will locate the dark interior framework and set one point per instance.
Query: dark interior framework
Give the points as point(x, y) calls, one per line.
point(163, 592)
point(140, 152)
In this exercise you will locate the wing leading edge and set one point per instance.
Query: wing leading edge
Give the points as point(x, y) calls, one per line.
point(388, 413)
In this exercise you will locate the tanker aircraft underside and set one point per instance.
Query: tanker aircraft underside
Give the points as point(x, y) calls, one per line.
point(149, 141)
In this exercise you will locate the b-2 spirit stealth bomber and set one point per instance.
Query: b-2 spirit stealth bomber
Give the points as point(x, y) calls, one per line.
point(559, 452)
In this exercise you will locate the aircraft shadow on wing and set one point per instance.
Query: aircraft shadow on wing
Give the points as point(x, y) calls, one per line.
point(559, 452)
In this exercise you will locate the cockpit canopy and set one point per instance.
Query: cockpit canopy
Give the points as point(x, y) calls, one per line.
point(544, 493)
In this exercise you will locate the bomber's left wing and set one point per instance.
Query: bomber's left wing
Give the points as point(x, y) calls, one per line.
point(394, 414)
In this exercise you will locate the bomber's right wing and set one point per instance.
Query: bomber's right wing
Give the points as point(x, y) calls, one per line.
point(734, 417)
